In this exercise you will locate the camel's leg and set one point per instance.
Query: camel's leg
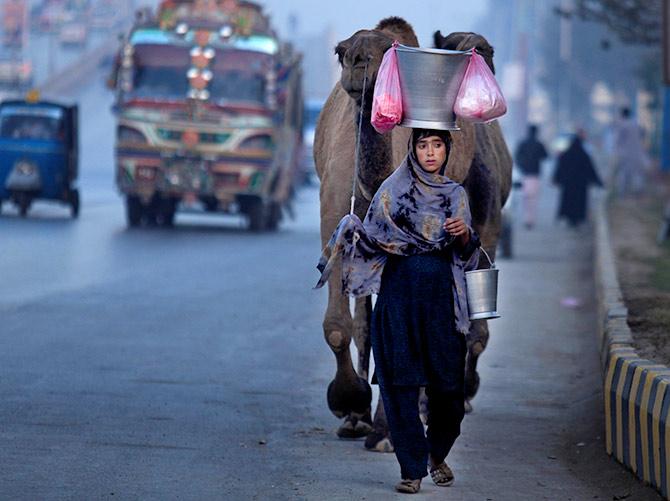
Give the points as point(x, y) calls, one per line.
point(479, 337)
point(479, 329)
point(359, 425)
point(362, 316)
point(348, 394)
point(379, 439)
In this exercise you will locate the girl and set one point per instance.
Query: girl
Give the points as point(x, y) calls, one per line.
point(413, 251)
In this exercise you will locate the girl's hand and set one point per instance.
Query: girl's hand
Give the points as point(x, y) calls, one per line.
point(456, 226)
point(458, 229)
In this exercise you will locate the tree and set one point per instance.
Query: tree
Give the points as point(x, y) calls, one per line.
point(633, 21)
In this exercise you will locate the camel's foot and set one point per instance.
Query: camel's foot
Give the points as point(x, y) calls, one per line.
point(471, 375)
point(468, 407)
point(377, 442)
point(471, 384)
point(346, 398)
point(379, 438)
point(354, 427)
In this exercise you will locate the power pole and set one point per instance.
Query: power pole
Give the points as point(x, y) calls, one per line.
point(665, 136)
point(565, 56)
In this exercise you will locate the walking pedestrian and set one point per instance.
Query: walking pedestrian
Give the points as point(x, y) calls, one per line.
point(528, 156)
point(574, 174)
point(630, 156)
point(413, 250)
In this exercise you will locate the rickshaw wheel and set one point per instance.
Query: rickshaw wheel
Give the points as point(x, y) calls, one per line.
point(74, 203)
point(133, 211)
point(24, 204)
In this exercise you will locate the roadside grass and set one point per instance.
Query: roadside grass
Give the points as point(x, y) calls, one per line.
point(660, 277)
point(644, 273)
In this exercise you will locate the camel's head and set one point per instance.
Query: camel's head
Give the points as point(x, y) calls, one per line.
point(465, 41)
point(369, 46)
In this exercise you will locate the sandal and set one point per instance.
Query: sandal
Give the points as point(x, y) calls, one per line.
point(408, 486)
point(442, 475)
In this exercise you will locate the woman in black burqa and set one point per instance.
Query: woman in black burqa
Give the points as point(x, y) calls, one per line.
point(413, 249)
point(574, 174)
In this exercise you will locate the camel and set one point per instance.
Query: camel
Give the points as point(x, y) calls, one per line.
point(349, 394)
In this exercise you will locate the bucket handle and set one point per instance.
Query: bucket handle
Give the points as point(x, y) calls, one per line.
point(491, 263)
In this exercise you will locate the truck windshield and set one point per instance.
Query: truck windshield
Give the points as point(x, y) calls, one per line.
point(236, 86)
point(153, 82)
point(31, 123)
point(160, 82)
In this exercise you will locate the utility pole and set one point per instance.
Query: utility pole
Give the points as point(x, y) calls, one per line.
point(665, 136)
point(565, 56)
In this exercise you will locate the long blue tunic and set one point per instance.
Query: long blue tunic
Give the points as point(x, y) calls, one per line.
point(414, 336)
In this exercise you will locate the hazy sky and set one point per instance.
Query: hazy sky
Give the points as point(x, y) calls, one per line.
point(348, 16)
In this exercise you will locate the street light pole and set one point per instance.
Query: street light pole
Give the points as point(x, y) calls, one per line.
point(665, 135)
point(565, 56)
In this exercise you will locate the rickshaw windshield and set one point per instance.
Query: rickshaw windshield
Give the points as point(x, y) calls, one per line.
point(27, 122)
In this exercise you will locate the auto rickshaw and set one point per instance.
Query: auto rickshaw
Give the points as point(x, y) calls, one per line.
point(38, 153)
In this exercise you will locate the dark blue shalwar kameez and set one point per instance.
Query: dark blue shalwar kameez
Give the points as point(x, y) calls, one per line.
point(415, 343)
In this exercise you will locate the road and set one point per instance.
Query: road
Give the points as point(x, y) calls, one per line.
point(189, 363)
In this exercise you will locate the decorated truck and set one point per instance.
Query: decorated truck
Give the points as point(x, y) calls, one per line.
point(209, 108)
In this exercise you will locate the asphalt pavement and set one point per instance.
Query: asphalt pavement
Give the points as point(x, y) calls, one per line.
point(190, 364)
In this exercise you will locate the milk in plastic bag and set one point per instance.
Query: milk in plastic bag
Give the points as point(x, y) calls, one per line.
point(479, 97)
point(387, 100)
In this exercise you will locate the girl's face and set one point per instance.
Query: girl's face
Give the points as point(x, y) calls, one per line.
point(431, 152)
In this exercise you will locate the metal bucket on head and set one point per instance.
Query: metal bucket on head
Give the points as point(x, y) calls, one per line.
point(429, 82)
point(482, 290)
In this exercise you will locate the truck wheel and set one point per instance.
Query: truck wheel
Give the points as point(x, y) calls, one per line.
point(257, 214)
point(168, 208)
point(133, 211)
point(273, 216)
point(74, 204)
point(23, 202)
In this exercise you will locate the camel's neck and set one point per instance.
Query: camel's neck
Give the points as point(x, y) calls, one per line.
point(375, 156)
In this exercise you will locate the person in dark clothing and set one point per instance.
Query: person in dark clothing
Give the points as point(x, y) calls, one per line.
point(415, 343)
point(413, 249)
point(528, 156)
point(574, 174)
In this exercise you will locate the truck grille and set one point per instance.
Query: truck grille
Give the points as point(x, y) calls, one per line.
point(204, 137)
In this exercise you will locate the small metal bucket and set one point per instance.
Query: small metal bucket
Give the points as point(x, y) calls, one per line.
point(429, 82)
point(483, 292)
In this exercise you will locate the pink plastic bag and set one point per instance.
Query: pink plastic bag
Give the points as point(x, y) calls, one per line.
point(387, 100)
point(479, 97)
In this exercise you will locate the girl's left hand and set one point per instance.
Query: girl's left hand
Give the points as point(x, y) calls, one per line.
point(456, 226)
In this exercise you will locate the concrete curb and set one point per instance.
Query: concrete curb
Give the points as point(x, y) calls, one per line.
point(636, 390)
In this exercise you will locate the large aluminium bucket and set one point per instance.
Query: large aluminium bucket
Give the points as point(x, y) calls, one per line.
point(482, 292)
point(429, 82)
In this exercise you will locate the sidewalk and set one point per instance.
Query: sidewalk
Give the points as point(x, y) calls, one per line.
point(537, 431)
